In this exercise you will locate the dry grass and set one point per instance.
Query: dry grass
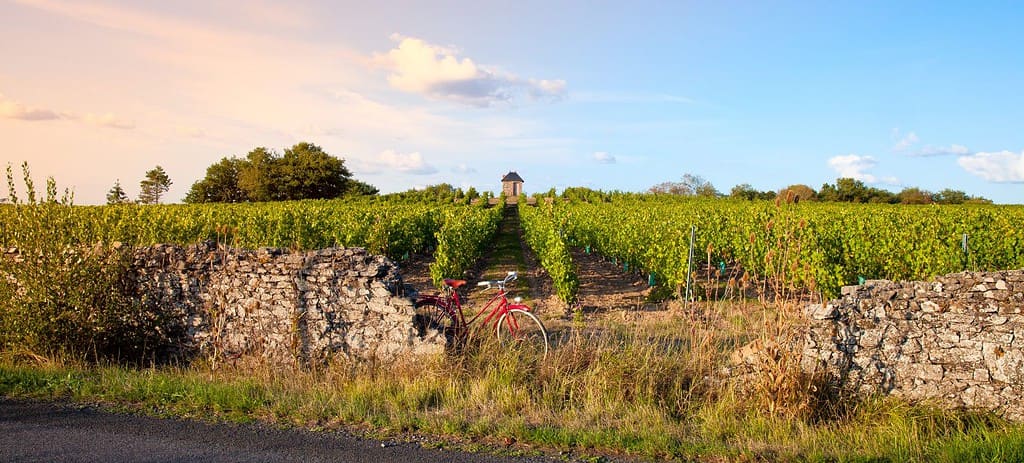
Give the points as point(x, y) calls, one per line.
point(656, 388)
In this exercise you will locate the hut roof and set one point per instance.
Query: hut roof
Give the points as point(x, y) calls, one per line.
point(512, 177)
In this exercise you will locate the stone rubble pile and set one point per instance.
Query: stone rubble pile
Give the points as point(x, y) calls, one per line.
point(286, 306)
point(955, 341)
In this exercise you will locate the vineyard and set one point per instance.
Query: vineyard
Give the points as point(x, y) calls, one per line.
point(640, 382)
point(781, 247)
point(789, 247)
point(397, 229)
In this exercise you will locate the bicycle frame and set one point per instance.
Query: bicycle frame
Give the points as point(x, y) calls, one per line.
point(497, 314)
point(503, 307)
point(452, 304)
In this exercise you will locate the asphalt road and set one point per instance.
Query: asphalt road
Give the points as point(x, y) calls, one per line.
point(43, 432)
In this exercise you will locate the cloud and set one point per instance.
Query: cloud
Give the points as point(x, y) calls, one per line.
point(999, 167)
point(621, 97)
point(107, 120)
point(438, 72)
point(390, 162)
point(13, 110)
point(951, 150)
point(463, 169)
point(855, 167)
point(604, 158)
point(904, 142)
point(10, 109)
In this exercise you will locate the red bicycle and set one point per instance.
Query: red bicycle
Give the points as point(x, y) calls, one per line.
point(511, 320)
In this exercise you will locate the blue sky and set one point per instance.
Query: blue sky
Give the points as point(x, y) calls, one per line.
point(611, 95)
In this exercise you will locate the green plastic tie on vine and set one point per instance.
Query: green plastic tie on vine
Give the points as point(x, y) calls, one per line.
point(587, 248)
point(405, 256)
point(625, 266)
point(650, 279)
point(721, 266)
point(860, 280)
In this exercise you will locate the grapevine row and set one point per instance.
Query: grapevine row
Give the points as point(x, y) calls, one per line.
point(394, 229)
point(547, 243)
point(808, 245)
point(461, 239)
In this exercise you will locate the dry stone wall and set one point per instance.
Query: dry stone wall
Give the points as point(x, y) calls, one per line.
point(956, 341)
point(286, 306)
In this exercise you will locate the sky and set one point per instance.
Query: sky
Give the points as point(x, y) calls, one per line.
point(609, 95)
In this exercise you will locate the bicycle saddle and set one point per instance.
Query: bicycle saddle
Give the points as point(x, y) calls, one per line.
point(454, 283)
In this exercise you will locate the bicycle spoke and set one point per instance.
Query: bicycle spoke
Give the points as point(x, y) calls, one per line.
point(522, 330)
point(432, 317)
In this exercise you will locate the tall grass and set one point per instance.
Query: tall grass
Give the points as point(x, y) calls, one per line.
point(655, 390)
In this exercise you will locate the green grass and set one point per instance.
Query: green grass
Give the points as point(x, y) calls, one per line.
point(506, 254)
point(641, 391)
point(506, 248)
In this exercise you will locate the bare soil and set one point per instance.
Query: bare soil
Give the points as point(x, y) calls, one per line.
point(605, 288)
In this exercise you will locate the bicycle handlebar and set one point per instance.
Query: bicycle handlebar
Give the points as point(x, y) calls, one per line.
point(512, 276)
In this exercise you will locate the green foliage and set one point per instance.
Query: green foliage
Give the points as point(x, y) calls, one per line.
point(154, 186)
point(809, 245)
point(359, 188)
point(391, 228)
point(854, 191)
point(548, 243)
point(948, 196)
point(61, 294)
point(256, 175)
point(464, 233)
point(116, 195)
point(585, 194)
point(441, 193)
point(221, 184)
point(745, 191)
point(304, 171)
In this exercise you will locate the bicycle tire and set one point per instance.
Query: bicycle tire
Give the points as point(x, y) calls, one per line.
point(430, 315)
point(523, 328)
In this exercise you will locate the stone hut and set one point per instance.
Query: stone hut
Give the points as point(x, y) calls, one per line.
point(512, 185)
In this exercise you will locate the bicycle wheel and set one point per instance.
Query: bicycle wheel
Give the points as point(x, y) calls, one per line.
point(432, 316)
point(524, 330)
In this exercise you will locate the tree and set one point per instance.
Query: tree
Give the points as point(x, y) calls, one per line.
point(689, 185)
point(116, 195)
point(307, 172)
point(846, 190)
point(255, 174)
point(220, 184)
point(154, 186)
point(949, 196)
point(748, 192)
point(358, 188)
point(914, 195)
point(852, 190)
point(304, 171)
point(798, 192)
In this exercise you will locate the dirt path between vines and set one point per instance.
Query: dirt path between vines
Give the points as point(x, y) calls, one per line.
point(604, 286)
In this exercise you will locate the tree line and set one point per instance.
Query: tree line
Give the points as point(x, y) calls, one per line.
point(304, 171)
point(845, 189)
